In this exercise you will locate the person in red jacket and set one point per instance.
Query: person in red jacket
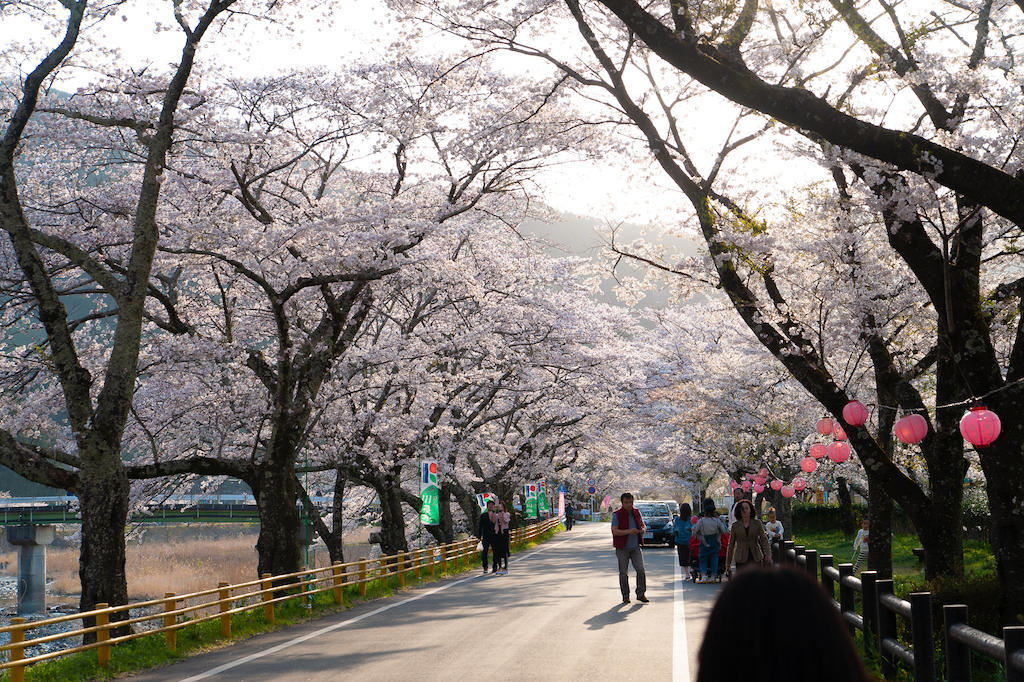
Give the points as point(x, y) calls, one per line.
point(627, 537)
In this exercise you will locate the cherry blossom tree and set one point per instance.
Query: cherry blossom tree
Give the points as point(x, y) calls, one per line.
point(925, 168)
point(53, 257)
point(281, 241)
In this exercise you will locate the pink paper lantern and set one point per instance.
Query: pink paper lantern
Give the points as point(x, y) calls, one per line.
point(763, 473)
point(799, 484)
point(838, 452)
point(746, 486)
point(825, 426)
point(733, 485)
point(758, 487)
point(760, 480)
point(980, 426)
point(855, 413)
point(817, 451)
point(838, 433)
point(787, 491)
point(694, 519)
point(808, 464)
point(776, 484)
point(911, 429)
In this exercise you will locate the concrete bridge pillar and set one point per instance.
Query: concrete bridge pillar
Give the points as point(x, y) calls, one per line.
point(32, 541)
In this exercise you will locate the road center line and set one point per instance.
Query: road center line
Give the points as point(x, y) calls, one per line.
point(330, 628)
point(680, 653)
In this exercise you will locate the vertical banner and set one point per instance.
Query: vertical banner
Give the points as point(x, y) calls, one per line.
point(483, 498)
point(561, 503)
point(530, 506)
point(606, 503)
point(542, 501)
point(429, 494)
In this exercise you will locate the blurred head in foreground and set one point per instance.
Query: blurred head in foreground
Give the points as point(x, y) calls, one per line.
point(777, 625)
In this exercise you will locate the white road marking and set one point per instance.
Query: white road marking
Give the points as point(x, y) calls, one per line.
point(680, 654)
point(330, 628)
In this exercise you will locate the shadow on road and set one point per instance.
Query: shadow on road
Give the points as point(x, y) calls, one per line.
point(615, 614)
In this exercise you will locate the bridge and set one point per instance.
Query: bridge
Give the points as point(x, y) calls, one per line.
point(557, 614)
point(209, 508)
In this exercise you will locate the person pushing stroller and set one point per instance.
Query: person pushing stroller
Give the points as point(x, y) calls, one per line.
point(709, 531)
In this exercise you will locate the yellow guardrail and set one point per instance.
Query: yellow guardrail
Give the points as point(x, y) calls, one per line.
point(222, 602)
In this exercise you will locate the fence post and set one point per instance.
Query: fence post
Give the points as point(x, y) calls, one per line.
point(225, 621)
point(444, 561)
point(17, 652)
point(923, 636)
point(170, 636)
point(886, 628)
point(1013, 640)
point(103, 634)
point(268, 596)
point(826, 580)
point(869, 605)
point(417, 561)
point(812, 562)
point(362, 577)
point(958, 656)
point(846, 598)
point(400, 566)
point(338, 578)
point(786, 546)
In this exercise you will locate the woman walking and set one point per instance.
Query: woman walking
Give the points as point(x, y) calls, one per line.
point(681, 530)
point(748, 541)
point(709, 531)
point(501, 538)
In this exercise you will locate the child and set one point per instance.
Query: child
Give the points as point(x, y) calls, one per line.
point(860, 545)
point(775, 532)
point(681, 531)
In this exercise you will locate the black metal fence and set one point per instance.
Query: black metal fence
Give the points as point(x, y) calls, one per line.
point(879, 616)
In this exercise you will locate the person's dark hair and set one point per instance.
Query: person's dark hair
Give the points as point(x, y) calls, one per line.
point(783, 643)
point(685, 511)
point(624, 496)
point(709, 508)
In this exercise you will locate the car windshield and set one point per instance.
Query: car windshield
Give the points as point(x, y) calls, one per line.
point(653, 509)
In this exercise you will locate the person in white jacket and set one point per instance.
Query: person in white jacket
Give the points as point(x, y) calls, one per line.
point(860, 545)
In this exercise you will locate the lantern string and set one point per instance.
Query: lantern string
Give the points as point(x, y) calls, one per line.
point(959, 403)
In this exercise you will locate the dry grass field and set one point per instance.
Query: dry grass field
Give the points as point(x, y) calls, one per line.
point(179, 562)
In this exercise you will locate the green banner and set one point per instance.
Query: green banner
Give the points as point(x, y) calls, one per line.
point(429, 494)
point(530, 504)
point(542, 498)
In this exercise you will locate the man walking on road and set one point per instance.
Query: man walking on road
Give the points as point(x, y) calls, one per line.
point(487, 535)
point(627, 531)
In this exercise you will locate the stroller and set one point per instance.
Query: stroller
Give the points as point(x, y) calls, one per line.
point(695, 558)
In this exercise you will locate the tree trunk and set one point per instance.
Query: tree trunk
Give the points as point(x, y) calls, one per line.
point(392, 525)
point(467, 502)
point(846, 521)
point(445, 531)
point(334, 540)
point(103, 497)
point(1004, 468)
point(880, 527)
point(278, 545)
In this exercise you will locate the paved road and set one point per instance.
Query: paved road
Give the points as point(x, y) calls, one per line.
point(557, 615)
